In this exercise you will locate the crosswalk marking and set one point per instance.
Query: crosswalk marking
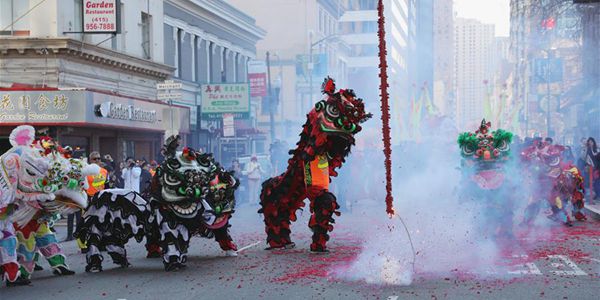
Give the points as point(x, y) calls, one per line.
point(526, 268)
point(576, 271)
point(593, 259)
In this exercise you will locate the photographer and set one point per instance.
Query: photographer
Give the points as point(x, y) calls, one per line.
point(131, 175)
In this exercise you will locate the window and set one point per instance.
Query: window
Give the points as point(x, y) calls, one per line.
point(180, 34)
point(77, 21)
point(224, 65)
point(146, 21)
point(195, 59)
point(320, 20)
point(13, 17)
point(123, 30)
point(369, 27)
point(366, 5)
point(211, 64)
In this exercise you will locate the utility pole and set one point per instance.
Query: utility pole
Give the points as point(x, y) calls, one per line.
point(310, 70)
point(271, 102)
point(548, 95)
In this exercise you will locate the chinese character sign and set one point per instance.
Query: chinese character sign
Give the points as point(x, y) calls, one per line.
point(41, 107)
point(222, 98)
point(101, 16)
point(257, 76)
point(258, 84)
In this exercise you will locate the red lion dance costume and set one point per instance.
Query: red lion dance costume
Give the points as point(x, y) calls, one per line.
point(556, 181)
point(325, 141)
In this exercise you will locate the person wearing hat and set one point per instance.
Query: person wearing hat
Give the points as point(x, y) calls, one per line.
point(254, 173)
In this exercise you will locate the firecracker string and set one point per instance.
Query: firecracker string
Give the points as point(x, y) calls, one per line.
point(385, 110)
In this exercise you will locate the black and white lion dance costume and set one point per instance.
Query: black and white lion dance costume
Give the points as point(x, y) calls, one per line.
point(190, 194)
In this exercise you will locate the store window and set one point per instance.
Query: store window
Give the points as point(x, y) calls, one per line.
point(79, 144)
point(128, 149)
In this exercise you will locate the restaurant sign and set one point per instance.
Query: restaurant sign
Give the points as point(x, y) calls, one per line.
point(220, 98)
point(87, 107)
point(42, 106)
point(120, 111)
point(101, 16)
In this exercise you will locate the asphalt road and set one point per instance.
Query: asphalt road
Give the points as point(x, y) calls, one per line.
point(562, 265)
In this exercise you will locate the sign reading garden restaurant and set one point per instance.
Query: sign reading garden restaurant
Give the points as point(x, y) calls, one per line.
point(220, 98)
point(101, 16)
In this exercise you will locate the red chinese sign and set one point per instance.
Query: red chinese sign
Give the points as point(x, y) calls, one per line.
point(257, 76)
point(258, 84)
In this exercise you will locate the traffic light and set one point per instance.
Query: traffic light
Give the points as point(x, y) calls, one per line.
point(585, 1)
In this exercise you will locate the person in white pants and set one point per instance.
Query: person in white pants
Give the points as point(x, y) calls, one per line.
point(254, 173)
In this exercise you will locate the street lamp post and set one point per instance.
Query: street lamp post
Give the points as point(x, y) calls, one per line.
point(548, 71)
point(271, 102)
point(310, 70)
point(279, 84)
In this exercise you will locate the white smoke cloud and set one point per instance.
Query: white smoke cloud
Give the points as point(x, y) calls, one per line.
point(451, 235)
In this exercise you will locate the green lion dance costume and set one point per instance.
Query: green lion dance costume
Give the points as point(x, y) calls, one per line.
point(486, 155)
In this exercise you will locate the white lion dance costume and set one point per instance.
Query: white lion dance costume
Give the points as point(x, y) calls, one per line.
point(37, 184)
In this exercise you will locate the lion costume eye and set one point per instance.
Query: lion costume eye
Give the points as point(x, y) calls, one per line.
point(467, 150)
point(171, 180)
point(503, 146)
point(332, 111)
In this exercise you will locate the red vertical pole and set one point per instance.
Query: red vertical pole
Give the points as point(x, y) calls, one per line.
point(385, 110)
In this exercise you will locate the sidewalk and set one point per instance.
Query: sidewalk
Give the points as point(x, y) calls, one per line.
point(593, 210)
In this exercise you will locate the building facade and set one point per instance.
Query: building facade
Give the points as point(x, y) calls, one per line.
point(565, 104)
point(359, 27)
point(443, 57)
point(210, 42)
point(474, 69)
point(90, 91)
point(301, 54)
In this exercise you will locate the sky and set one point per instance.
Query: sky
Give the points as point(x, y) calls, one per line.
point(488, 11)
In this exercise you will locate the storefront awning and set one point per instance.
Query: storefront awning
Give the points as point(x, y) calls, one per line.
point(89, 108)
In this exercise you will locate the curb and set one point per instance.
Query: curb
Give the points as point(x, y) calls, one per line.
point(593, 210)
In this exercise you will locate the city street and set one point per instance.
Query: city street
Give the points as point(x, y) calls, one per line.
point(458, 139)
point(563, 265)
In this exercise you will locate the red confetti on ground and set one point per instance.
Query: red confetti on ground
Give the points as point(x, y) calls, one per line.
point(320, 265)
